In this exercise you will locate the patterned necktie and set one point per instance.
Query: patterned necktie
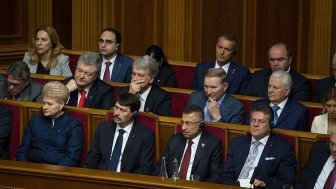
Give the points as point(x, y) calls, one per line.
point(329, 184)
point(186, 161)
point(116, 152)
point(275, 110)
point(248, 165)
point(82, 99)
point(107, 75)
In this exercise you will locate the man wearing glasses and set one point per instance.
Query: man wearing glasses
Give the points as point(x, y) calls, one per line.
point(18, 85)
point(86, 88)
point(260, 159)
point(195, 151)
point(320, 170)
point(115, 66)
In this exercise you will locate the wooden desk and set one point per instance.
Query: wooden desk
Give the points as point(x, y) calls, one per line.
point(42, 176)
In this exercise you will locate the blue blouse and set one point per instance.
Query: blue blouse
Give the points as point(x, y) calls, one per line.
point(60, 144)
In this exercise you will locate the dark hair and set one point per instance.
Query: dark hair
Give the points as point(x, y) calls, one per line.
point(330, 94)
point(116, 33)
point(266, 109)
point(192, 108)
point(130, 100)
point(19, 70)
point(157, 53)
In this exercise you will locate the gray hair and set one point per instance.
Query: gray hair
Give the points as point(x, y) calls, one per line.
point(19, 70)
point(287, 78)
point(56, 90)
point(91, 58)
point(147, 63)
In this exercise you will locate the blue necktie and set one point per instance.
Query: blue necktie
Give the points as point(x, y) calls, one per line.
point(116, 152)
point(275, 110)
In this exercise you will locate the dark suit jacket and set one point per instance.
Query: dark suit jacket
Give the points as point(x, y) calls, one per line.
point(6, 116)
point(166, 77)
point(207, 161)
point(32, 92)
point(318, 156)
point(322, 86)
point(122, 69)
point(258, 85)
point(138, 153)
point(294, 116)
point(237, 76)
point(231, 110)
point(158, 100)
point(100, 95)
point(276, 166)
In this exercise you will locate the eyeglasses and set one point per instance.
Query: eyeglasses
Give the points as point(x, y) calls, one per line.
point(15, 85)
point(106, 42)
point(188, 123)
point(260, 121)
point(86, 74)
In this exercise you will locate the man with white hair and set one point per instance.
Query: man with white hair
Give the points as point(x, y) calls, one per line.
point(288, 113)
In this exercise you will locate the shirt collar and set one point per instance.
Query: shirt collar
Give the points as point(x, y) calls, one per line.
point(127, 129)
point(263, 140)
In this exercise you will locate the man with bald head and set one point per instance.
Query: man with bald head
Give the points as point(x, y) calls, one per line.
point(320, 167)
point(280, 58)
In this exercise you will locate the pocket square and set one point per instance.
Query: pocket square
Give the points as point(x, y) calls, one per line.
point(269, 158)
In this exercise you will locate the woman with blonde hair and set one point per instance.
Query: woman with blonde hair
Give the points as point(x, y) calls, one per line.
point(326, 122)
point(53, 137)
point(45, 54)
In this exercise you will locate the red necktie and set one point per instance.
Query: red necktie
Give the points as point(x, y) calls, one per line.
point(82, 98)
point(186, 161)
point(107, 71)
point(329, 184)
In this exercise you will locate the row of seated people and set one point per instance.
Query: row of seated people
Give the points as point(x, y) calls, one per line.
point(87, 90)
point(57, 138)
point(45, 57)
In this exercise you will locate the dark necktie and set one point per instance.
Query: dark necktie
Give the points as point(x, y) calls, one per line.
point(275, 110)
point(107, 75)
point(186, 161)
point(116, 152)
point(329, 184)
point(82, 99)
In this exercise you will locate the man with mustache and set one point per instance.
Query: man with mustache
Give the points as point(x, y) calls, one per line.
point(260, 158)
point(196, 151)
point(288, 113)
point(218, 105)
point(122, 144)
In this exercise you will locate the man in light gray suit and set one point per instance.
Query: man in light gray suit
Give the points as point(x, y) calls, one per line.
point(218, 106)
point(18, 85)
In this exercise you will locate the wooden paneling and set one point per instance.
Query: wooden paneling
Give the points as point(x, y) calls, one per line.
point(62, 21)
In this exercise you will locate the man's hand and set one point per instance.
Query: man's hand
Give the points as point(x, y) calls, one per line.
point(135, 86)
point(72, 85)
point(213, 108)
point(259, 183)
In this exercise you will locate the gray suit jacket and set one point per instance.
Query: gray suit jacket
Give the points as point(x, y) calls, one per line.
point(32, 92)
point(61, 69)
point(231, 110)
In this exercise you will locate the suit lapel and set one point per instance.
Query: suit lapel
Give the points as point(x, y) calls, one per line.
point(150, 100)
point(266, 152)
point(231, 73)
point(92, 94)
point(201, 147)
point(285, 112)
point(116, 67)
point(245, 149)
point(128, 146)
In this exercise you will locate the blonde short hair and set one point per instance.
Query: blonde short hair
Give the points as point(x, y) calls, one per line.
point(56, 90)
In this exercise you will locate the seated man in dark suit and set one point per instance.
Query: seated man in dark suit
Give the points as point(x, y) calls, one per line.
point(115, 66)
point(195, 151)
point(280, 58)
point(6, 117)
point(288, 113)
point(86, 89)
point(218, 105)
point(153, 98)
point(323, 84)
point(320, 166)
point(237, 75)
point(18, 85)
point(260, 158)
point(122, 145)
